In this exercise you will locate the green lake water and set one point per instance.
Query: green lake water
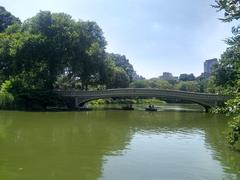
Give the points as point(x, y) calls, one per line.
point(116, 145)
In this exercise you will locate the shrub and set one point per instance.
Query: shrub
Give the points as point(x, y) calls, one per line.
point(234, 133)
point(6, 98)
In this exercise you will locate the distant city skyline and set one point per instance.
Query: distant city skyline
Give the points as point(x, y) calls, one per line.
point(156, 36)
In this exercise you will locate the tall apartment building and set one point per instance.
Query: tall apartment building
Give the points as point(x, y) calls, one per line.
point(208, 65)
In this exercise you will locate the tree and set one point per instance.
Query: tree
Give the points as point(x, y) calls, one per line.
point(5, 96)
point(92, 46)
point(21, 55)
point(115, 77)
point(162, 84)
point(206, 83)
point(191, 86)
point(123, 62)
point(77, 47)
point(227, 72)
point(231, 8)
point(51, 50)
point(6, 19)
point(57, 29)
point(140, 84)
point(187, 77)
point(120, 78)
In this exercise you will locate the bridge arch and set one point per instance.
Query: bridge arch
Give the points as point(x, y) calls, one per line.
point(80, 103)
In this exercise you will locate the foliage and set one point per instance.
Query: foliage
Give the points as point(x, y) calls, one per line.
point(186, 77)
point(234, 132)
point(122, 62)
point(191, 86)
point(200, 84)
point(227, 73)
point(132, 101)
point(6, 97)
point(52, 48)
point(6, 19)
point(38, 100)
point(230, 7)
point(21, 55)
point(97, 102)
point(149, 101)
point(152, 83)
point(161, 84)
point(140, 84)
point(115, 75)
point(206, 84)
point(67, 82)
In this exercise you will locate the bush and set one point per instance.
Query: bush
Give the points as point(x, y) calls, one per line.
point(6, 98)
point(233, 108)
point(38, 100)
point(234, 133)
point(97, 102)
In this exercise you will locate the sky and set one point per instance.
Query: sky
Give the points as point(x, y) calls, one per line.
point(156, 36)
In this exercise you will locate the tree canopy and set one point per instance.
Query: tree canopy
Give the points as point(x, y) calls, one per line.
point(51, 45)
point(187, 77)
point(227, 73)
point(6, 19)
point(230, 7)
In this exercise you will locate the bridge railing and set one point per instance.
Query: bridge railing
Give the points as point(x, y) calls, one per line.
point(142, 92)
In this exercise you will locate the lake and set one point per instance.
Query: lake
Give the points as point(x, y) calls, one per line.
point(179, 142)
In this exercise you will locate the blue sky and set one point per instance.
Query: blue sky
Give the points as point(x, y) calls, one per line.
point(155, 35)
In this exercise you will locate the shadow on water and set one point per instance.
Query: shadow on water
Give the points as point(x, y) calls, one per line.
point(77, 145)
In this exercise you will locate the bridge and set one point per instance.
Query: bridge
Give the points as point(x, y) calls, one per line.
point(204, 99)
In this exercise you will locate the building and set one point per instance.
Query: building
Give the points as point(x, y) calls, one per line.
point(208, 65)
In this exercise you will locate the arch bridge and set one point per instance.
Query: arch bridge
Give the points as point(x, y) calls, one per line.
point(204, 99)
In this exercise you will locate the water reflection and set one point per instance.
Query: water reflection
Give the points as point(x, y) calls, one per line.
point(115, 145)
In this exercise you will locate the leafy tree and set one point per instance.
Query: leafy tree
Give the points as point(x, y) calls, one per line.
point(140, 84)
point(5, 96)
point(227, 72)
point(206, 83)
point(51, 50)
point(65, 82)
point(57, 29)
point(75, 47)
point(6, 19)
point(230, 7)
point(186, 77)
point(136, 77)
point(21, 55)
point(115, 76)
point(162, 84)
point(123, 62)
point(234, 134)
point(94, 54)
point(120, 78)
point(191, 86)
